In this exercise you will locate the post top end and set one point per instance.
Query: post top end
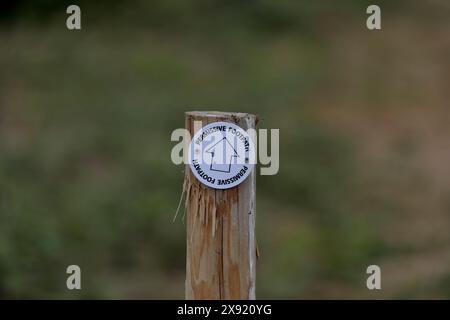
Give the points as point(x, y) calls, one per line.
point(219, 114)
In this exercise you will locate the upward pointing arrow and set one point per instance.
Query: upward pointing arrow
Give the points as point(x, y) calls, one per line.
point(222, 153)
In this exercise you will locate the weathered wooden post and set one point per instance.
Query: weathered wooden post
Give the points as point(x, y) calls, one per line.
point(221, 250)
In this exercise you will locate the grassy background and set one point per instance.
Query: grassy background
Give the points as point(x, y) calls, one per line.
point(86, 118)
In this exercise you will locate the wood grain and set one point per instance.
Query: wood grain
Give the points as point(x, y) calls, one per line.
point(220, 224)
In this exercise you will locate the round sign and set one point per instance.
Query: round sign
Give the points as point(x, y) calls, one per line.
point(221, 155)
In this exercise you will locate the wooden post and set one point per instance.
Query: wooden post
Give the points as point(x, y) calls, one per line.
point(221, 250)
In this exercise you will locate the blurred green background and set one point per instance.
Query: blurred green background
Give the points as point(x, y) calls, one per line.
point(86, 117)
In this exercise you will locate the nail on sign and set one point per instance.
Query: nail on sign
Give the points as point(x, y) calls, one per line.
point(221, 155)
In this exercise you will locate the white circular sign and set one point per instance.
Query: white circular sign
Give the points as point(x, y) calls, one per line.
point(221, 155)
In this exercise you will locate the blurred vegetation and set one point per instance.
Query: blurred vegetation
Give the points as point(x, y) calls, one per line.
point(85, 124)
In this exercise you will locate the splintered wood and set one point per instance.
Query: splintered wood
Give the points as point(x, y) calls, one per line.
point(221, 250)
